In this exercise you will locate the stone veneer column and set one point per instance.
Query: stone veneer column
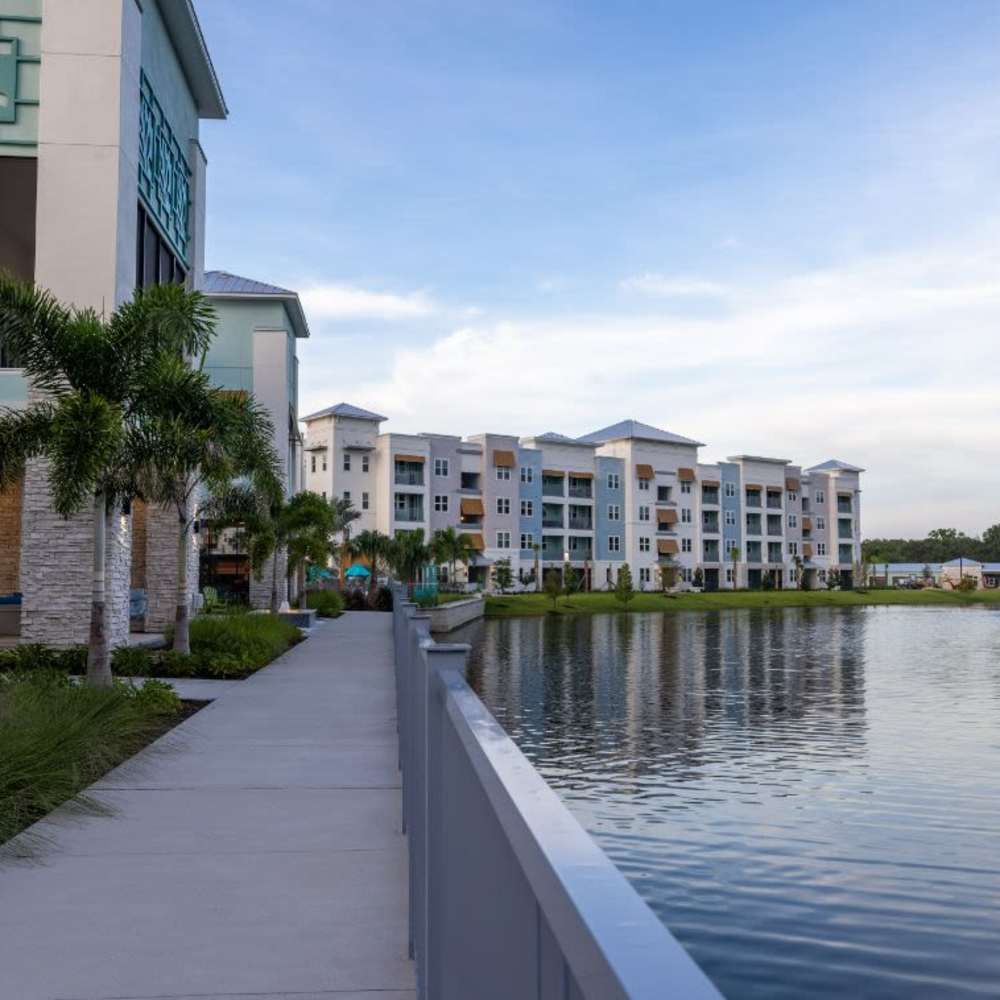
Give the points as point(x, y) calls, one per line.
point(260, 590)
point(161, 567)
point(56, 572)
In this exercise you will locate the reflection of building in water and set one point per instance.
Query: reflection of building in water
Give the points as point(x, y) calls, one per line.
point(641, 694)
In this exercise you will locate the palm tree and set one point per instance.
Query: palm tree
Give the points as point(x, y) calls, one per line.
point(95, 374)
point(451, 547)
point(537, 550)
point(407, 553)
point(373, 547)
point(195, 436)
point(734, 554)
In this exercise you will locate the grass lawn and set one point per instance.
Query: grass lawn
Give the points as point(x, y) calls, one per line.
point(57, 737)
point(604, 603)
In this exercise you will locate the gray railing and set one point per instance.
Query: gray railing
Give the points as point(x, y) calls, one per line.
point(509, 897)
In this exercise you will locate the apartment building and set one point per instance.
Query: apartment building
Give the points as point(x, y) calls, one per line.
point(629, 492)
point(102, 191)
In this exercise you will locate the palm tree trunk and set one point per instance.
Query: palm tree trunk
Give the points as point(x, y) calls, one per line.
point(275, 603)
point(98, 653)
point(182, 620)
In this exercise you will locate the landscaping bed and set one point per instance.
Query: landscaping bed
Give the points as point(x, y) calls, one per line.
point(598, 602)
point(223, 647)
point(58, 737)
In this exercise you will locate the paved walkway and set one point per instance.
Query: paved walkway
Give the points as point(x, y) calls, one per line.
point(254, 854)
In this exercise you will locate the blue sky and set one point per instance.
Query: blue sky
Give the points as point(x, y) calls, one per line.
point(771, 226)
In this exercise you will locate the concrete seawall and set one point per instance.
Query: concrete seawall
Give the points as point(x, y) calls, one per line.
point(447, 617)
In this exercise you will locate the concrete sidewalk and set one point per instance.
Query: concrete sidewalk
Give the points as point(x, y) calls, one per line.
point(254, 853)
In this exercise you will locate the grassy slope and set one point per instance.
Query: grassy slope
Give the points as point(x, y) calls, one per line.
point(604, 603)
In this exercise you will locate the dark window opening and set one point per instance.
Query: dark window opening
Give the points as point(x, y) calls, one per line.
point(155, 262)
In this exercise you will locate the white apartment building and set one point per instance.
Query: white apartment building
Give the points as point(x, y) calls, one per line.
point(627, 493)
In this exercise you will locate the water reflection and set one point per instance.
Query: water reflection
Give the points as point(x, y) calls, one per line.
point(808, 798)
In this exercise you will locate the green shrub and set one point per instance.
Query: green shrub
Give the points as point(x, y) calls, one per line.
point(154, 697)
point(242, 643)
point(328, 603)
point(426, 600)
point(132, 661)
point(56, 737)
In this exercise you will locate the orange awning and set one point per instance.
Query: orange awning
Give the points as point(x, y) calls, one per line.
point(685, 475)
point(644, 471)
point(791, 484)
point(710, 482)
point(472, 508)
point(503, 459)
point(557, 473)
point(667, 516)
point(807, 524)
point(410, 458)
point(807, 549)
point(845, 493)
point(667, 546)
point(581, 475)
point(752, 486)
point(475, 540)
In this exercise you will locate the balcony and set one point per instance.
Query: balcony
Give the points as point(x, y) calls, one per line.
point(773, 525)
point(581, 518)
point(470, 483)
point(774, 500)
point(552, 548)
point(410, 513)
point(710, 522)
point(580, 553)
point(552, 516)
point(710, 495)
point(844, 505)
point(753, 552)
point(845, 554)
point(753, 524)
point(774, 554)
point(553, 486)
point(663, 494)
point(845, 530)
point(409, 474)
point(710, 551)
point(581, 489)
point(753, 498)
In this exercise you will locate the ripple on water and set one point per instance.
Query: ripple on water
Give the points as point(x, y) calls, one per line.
point(808, 798)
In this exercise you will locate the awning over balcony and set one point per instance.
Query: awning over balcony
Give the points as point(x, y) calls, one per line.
point(845, 493)
point(752, 486)
point(410, 458)
point(475, 540)
point(667, 546)
point(472, 508)
point(503, 459)
point(580, 475)
point(644, 471)
point(710, 482)
point(555, 473)
point(807, 524)
point(791, 484)
point(685, 475)
point(667, 516)
point(807, 550)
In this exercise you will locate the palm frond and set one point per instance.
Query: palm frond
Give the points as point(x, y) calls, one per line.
point(30, 321)
point(163, 319)
point(24, 434)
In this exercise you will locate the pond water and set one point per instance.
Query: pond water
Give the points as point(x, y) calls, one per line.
point(808, 798)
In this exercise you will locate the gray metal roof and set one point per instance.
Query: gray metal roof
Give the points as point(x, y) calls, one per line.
point(345, 410)
point(182, 25)
point(553, 437)
point(759, 458)
point(834, 465)
point(636, 429)
point(223, 285)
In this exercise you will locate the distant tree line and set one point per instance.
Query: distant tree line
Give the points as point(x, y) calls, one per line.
point(939, 546)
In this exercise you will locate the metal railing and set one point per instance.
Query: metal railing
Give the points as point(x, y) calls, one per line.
point(509, 896)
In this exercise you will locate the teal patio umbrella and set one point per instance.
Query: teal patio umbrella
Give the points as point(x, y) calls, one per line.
point(357, 571)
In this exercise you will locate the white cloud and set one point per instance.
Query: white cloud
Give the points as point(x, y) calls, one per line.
point(891, 362)
point(338, 301)
point(665, 286)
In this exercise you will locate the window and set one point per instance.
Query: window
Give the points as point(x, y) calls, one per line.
point(614, 512)
point(687, 575)
point(644, 571)
point(527, 474)
point(347, 462)
point(821, 524)
point(793, 548)
point(792, 496)
point(503, 473)
point(614, 482)
point(730, 489)
point(643, 513)
point(401, 501)
point(364, 463)
point(527, 508)
point(527, 541)
point(312, 464)
point(155, 264)
point(685, 545)
point(685, 515)
point(792, 575)
point(347, 496)
point(607, 574)
point(324, 461)
point(729, 517)
point(729, 574)
point(820, 498)
point(614, 543)
point(503, 539)
point(440, 467)
point(364, 501)
point(644, 543)
point(441, 503)
point(821, 548)
point(685, 487)
point(643, 484)
point(793, 521)
point(503, 505)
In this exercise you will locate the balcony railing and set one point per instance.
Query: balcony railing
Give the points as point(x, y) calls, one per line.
point(581, 523)
point(845, 533)
point(409, 478)
point(410, 514)
point(580, 555)
point(587, 933)
point(553, 489)
point(552, 554)
point(774, 501)
point(552, 522)
point(844, 506)
point(581, 492)
point(710, 497)
point(711, 525)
